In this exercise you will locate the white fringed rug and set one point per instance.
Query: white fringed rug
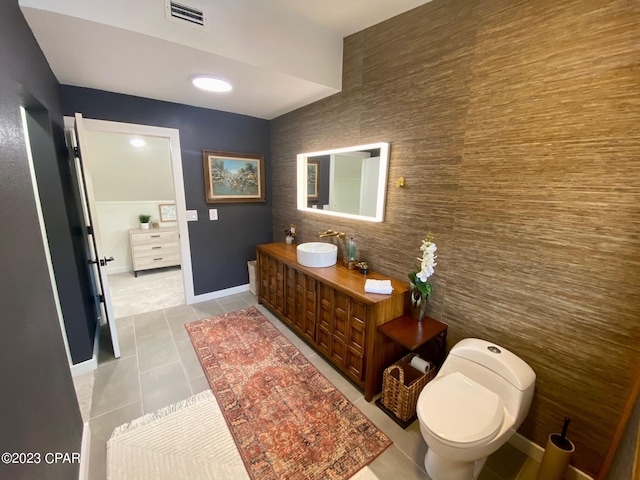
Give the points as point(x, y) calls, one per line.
point(189, 440)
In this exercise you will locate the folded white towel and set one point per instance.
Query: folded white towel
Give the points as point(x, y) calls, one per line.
point(378, 286)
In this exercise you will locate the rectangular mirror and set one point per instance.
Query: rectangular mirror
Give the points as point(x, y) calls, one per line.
point(344, 182)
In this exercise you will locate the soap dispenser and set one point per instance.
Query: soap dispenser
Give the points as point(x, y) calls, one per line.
point(351, 249)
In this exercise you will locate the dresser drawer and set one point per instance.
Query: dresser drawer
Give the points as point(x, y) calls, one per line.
point(147, 249)
point(154, 236)
point(156, 261)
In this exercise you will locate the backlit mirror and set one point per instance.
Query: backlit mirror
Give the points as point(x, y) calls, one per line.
point(344, 182)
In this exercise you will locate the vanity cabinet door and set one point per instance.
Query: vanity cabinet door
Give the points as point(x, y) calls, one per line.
point(291, 280)
point(356, 339)
point(340, 327)
point(300, 308)
point(310, 307)
point(306, 306)
point(263, 271)
point(272, 283)
point(277, 273)
point(324, 327)
point(340, 332)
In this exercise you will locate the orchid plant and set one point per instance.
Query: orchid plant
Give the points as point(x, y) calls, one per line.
point(420, 286)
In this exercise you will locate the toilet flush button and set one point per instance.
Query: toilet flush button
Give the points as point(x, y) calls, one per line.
point(494, 349)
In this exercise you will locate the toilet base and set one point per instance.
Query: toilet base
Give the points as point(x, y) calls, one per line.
point(440, 468)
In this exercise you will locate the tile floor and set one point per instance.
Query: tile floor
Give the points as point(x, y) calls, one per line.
point(159, 367)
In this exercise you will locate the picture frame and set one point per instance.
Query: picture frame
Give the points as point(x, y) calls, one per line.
point(168, 212)
point(313, 179)
point(233, 177)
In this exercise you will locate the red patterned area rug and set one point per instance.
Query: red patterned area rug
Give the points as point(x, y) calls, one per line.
point(287, 419)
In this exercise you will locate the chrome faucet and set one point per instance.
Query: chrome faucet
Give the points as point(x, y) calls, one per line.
point(331, 233)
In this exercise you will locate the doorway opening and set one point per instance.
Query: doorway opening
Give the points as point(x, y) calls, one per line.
point(132, 177)
point(122, 186)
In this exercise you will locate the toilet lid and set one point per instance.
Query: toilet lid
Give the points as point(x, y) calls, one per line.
point(460, 410)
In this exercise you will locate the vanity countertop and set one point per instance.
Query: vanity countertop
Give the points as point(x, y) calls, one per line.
point(337, 276)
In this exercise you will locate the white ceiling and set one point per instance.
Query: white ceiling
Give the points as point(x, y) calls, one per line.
point(148, 168)
point(278, 54)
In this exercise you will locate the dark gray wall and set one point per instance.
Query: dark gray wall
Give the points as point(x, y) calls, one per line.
point(219, 249)
point(39, 412)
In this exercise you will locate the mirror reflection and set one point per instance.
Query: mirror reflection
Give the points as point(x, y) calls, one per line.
point(348, 182)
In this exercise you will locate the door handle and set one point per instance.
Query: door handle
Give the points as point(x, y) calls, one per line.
point(105, 260)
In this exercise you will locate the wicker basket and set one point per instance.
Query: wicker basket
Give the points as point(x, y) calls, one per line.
point(401, 385)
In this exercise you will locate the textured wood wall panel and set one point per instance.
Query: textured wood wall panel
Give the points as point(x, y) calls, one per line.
point(517, 127)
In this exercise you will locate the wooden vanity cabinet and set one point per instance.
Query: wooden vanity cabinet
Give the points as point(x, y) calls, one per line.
point(341, 330)
point(300, 308)
point(330, 310)
point(271, 283)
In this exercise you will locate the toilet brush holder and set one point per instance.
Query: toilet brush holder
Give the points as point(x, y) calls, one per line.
point(556, 458)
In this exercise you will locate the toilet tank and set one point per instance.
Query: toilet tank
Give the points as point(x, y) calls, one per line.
point(497, 369)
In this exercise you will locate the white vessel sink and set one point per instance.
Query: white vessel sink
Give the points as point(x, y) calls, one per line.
point(317, 254)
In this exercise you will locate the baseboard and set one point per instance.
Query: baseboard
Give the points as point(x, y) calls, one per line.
point(220, 293)
point(91, 364)
point(85, 453)
point(535, 451)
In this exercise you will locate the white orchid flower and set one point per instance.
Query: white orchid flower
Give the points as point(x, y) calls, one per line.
point(427, 270)
point(427, 261)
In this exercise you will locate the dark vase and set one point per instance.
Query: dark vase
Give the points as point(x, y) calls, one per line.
point(420, 303)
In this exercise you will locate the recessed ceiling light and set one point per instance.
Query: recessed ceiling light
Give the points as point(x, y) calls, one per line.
point(211, 84)
point(137, 142)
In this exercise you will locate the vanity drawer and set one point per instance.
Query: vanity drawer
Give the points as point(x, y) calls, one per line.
point(155, 236)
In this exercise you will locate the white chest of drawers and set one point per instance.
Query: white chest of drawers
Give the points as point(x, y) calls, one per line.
point(154, 248)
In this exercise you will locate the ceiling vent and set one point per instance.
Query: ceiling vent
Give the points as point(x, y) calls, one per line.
point(183, 13)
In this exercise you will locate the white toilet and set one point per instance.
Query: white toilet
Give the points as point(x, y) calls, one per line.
point(472, 407)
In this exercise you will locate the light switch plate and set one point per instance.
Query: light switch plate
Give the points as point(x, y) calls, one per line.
point(192, 215)
point(213, 214)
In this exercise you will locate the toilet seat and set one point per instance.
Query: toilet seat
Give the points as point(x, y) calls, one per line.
point(459, 411)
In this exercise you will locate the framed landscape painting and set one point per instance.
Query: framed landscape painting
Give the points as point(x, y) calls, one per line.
point(233, 177)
